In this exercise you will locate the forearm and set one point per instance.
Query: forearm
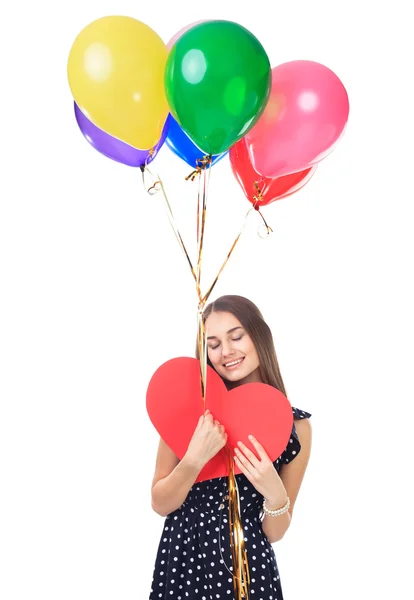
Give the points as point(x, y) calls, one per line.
point(169, 493)
point(275, 527)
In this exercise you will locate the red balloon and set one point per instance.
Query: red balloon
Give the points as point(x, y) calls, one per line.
point(271, 188)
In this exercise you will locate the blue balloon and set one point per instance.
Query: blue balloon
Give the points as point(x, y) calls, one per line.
point(179, 142)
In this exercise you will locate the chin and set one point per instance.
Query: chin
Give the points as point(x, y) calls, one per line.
point(247, 376)
point(234, 377)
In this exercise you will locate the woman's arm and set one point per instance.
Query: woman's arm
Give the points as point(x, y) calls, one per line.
point(172, 481)
point(292, 476)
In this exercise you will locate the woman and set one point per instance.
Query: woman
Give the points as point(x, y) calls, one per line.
point(194, 557)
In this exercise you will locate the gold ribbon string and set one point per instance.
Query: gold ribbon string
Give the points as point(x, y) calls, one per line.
point(269, 230)
point(158, 186)
point(150, 155)
point(257, 198)
point(201, 222)
point(202, 351)
point(240, 574)
point(207, 295)
point(202, 212)
point(149, 181)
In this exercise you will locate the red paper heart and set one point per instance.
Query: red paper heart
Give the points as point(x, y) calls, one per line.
point(174, 405)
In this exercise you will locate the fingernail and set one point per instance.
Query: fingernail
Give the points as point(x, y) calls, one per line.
point(251, 437)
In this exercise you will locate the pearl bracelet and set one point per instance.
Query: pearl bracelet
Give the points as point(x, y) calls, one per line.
point(278, 511)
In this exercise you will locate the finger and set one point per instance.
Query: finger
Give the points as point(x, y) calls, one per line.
point(244, 461)
point(221, 432)
point(206, 412)
point(252, 458)
point(219, 427)
point(200, 422)
point(259, 448)
point(243, 469)
point(208, 418)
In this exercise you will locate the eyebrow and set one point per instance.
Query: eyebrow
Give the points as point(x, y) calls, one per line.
point(214, 337)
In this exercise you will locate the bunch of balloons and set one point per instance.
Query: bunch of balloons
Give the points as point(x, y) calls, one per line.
point(210, 91)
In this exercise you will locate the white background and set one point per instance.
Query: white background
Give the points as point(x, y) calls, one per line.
point(95, 295)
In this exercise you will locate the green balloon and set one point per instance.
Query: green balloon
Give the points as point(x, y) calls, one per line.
point(217, 82)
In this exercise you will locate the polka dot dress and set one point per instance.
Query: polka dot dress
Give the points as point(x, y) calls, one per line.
point(194, 557)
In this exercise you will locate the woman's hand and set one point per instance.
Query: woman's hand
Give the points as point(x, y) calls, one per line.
point(208, 438)
point(261, 473)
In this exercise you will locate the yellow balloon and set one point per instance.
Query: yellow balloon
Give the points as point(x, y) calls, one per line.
point(116, 75)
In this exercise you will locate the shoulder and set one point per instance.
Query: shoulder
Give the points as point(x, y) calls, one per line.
point(304, 432)
point(302, 428)
point(302, 425)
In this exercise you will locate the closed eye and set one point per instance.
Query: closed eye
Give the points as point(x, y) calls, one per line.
point(233, 340)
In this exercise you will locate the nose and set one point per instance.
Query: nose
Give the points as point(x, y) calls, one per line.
point(226, 350)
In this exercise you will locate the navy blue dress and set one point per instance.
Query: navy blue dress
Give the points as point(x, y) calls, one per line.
point(194, 556)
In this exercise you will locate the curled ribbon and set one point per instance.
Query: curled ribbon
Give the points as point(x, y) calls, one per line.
point(258, 198)
point(201, 165)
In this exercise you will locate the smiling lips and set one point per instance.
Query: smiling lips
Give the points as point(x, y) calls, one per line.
point(234, 364)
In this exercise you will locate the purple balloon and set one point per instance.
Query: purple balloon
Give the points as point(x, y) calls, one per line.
point(114, 148)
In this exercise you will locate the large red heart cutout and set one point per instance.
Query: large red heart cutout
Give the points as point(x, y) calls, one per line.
point(174, 405)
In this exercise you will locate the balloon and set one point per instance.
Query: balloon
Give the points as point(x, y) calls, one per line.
point(271, 189)
point(305, 116)
point(114, 148)
point(175, 37)
point(179, 142)
point(116, 75)
point(217, 81)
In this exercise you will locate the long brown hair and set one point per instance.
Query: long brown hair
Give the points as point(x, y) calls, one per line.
point(252, 321)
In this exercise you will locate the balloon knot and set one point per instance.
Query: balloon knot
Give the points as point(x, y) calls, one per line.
point(201, 164)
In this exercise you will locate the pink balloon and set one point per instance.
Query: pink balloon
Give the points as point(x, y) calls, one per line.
point(305, 116)
point(180, 33)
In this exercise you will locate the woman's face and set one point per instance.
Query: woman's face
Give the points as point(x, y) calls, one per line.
point(231, 350)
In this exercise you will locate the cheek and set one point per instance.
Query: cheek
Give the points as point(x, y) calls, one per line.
point(215, 360)
point(252, 352)
point(249, 347)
